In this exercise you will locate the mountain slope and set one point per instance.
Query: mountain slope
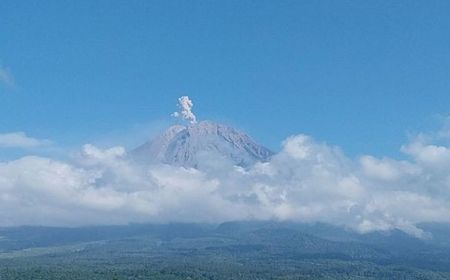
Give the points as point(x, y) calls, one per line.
point(187, 146)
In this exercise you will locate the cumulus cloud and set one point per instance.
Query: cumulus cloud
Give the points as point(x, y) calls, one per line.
point(307, 181)
point(20, 140)
point(6, 78)
point(185, 110)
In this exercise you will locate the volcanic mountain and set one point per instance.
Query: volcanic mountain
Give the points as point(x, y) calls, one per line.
point(188, 145)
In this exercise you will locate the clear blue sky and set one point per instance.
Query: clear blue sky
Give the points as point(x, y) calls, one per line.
point(358, 74)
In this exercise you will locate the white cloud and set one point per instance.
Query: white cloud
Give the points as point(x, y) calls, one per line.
point(20, 140)
point(6, 78)
point(387, 169)
point(306, 181)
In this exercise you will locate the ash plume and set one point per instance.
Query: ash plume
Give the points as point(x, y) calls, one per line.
point(185, 110)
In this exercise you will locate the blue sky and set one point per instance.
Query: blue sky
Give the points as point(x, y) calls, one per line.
point(357, 74)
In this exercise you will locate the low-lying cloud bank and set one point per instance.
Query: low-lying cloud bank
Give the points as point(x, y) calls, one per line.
point(306, 181)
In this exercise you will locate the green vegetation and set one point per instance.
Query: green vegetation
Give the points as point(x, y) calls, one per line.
point(229, 251)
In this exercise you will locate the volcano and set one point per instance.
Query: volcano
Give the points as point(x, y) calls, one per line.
point(188, 145)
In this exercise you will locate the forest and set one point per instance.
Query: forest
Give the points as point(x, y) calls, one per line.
point(234, 250)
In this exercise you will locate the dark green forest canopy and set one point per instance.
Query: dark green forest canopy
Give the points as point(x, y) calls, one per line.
point(237, 250)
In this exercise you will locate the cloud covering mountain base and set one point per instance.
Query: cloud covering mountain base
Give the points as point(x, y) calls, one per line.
point(306, 181)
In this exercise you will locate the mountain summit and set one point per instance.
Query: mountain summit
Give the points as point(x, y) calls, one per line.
point(188, 145)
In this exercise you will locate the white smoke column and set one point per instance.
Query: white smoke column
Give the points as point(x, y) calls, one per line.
point(185, 113)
